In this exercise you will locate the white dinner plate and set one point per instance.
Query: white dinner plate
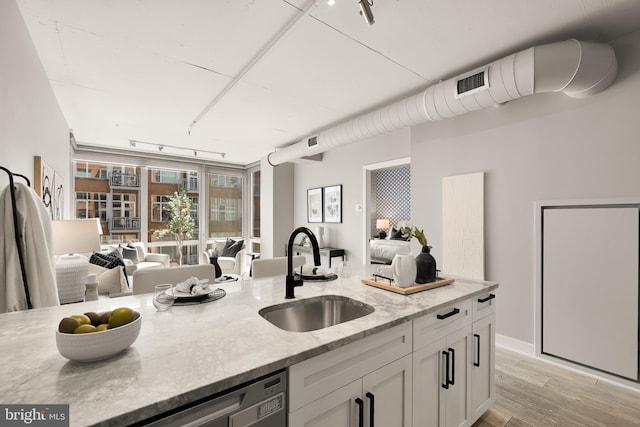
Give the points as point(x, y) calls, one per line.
point(180, 294)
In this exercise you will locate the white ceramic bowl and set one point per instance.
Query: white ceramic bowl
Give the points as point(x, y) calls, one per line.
point(98, 345)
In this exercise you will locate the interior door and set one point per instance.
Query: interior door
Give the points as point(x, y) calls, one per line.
point(590, 286)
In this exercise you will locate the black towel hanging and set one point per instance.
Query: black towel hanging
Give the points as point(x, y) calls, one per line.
point(14, 211)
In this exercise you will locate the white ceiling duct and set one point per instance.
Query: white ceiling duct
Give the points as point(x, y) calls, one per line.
point(577, 68)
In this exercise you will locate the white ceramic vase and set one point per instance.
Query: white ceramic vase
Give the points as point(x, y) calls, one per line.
point(404, 270)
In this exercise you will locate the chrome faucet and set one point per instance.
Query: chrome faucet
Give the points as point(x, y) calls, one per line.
point(291, 282)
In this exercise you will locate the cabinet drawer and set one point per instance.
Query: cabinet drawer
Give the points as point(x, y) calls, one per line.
point(315, 377)
point(484, 305)
point(438, 324)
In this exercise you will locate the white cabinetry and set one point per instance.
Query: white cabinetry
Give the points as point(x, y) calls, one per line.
point(441, 363)
point(349, 385)
point(380, 398)
point(438, 370)
point(483, 369)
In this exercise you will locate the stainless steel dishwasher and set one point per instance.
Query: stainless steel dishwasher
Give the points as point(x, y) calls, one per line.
point(259, 403)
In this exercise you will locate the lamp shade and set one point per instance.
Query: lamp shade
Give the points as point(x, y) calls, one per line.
point(75, 236)
point(382, 223)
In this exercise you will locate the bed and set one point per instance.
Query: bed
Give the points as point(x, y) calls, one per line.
point(382, 251)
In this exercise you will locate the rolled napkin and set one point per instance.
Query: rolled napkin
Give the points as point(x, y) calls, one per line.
point(310, 270)
point(194, 286)
point(200, 289)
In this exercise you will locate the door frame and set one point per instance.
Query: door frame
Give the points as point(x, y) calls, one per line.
point(369, 199)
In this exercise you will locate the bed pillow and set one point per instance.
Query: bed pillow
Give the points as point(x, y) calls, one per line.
point(396, 234)
point(232, 247)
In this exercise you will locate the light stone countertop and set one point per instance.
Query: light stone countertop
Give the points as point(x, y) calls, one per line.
point(190, 352)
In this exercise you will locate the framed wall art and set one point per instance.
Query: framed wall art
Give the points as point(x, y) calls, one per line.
point(58, 196)
point(43, 185)
point(332, 203)
point(314, 205)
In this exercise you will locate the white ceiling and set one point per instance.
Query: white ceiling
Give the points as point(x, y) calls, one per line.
point(146, 69)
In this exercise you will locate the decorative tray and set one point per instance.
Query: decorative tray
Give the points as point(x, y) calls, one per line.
point(390, 285)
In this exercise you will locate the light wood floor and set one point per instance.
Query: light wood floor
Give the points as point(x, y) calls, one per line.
point(531, 392)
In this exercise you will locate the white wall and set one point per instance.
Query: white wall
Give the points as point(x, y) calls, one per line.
point(31, 122)
point(276, 208)
point(344, 165)
point(540, 147)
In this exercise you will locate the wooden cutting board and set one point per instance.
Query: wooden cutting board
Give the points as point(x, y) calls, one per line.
point(384, 284)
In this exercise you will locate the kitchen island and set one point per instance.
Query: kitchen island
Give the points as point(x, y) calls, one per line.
point(191, 352)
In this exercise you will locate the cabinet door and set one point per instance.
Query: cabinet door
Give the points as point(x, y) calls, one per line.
point(336, 409)
point(387, 394)
point(458, 395)
point(441, 396)
point(483, 382)
point(428, 378)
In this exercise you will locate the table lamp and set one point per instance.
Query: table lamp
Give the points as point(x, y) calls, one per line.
point(72, 237)
point(382, 224)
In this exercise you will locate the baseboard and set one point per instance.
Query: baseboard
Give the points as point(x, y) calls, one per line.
point(529, 350)
point(516, 345)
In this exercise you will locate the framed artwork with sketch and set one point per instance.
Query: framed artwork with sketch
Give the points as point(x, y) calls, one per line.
point(332, 203)
point(314, 205)
point(49, 185)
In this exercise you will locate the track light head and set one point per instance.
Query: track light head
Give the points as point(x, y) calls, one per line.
point(365, 10)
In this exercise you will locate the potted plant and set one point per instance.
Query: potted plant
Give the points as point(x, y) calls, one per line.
point(181, 225)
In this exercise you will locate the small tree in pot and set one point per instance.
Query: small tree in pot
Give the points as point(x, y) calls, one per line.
point(181, 224)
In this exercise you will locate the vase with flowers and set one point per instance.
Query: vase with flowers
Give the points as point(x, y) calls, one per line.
point(425, 262)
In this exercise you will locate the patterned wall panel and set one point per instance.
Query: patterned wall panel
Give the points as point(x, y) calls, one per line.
point(393, 194)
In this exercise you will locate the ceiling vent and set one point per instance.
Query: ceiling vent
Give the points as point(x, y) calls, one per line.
point(473, 83)
point(576, 68)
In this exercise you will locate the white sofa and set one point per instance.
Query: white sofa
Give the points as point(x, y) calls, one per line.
point(145, 259)
point(228, 265)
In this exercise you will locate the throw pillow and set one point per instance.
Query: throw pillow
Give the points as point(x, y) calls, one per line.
point(113, 281)
point(232, 247)
point(139, 246)
point(130, 254)
point(111, 260)
point(108, 261)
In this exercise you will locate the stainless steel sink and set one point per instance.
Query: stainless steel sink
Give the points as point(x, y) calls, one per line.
point(315, 313)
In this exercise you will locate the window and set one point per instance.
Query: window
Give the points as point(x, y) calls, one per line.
point(194, 209)
point(124, 205)
point(91, 205)
point(160, 208)
point(165, 176)
point(225, 205)
point(255, 211)
point(86, 169)
point(255, 204)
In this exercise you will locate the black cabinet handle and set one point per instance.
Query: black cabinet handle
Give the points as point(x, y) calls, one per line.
point(445, 385)
point(489, 298)
point(372, 405)
point(449, 314)
point(477, 338)
point(360, 404)
point(453, 366)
